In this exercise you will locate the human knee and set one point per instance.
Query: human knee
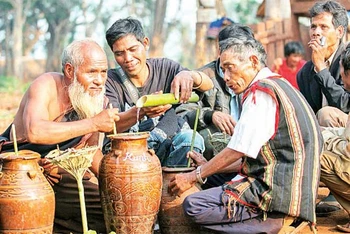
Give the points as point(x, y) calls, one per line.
point(331, 117)
point(324, 116)
point(189, 206)
point(184, 139)
point(327, 161)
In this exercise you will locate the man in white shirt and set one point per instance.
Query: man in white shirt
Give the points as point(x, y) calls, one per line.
point(279, 140)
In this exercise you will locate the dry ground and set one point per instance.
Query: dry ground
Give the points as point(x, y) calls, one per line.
point(325, 225)
point(8, 108)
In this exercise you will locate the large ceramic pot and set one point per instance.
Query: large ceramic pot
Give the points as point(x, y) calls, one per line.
point(172, 219)
point(130, 181)
point(27, 201)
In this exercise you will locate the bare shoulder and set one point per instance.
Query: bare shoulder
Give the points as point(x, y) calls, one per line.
point(48, 80)
point(46, 83)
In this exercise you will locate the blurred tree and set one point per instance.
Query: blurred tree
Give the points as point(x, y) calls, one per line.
point(97, 16)
point(158, 32)
point(13, 14)
point(19, 22)
point(61, 22)
point(6, 25)
point(243, 12)
point(63, 17)
point(157, 25)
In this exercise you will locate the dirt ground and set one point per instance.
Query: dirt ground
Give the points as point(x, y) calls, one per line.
point(8, 108)
point(325, 225)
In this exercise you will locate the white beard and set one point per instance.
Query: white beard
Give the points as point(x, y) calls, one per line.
point(83, 103)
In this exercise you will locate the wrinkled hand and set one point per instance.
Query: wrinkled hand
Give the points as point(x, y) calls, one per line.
point(155, 111)
point(224, 122)
point(318, 53)
point(182, 86)
point(181, 182)
point(197, 158)
point(105, 120)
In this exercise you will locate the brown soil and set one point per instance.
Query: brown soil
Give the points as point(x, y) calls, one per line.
point(325, 225)
point(8, 108)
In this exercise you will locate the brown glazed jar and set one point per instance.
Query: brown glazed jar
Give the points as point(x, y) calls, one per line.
point(27, 201)
point(130, 182)
point(171, 217)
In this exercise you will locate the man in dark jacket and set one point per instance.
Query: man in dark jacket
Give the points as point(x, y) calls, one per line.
point(320, 80)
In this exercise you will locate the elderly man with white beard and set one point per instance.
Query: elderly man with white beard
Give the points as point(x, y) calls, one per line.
point(67, 111)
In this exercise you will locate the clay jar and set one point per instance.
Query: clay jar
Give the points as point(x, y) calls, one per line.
point(130, 182)
point(27, 201)
point(172, 219)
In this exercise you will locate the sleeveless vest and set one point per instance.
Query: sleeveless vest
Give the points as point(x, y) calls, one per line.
point(284, 177)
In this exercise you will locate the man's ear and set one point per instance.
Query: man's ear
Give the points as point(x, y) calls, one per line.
point(340, 31)
point(146, 43)
point(254, 60)
point(69, 70)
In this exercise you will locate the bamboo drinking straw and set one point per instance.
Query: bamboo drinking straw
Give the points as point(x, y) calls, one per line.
point(114, 125)
point(13, 129)
point(193, 135)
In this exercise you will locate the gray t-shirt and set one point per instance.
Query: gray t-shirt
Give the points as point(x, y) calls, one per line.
point(161, 73)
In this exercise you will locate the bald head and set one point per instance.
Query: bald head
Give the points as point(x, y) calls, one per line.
point(76, 52)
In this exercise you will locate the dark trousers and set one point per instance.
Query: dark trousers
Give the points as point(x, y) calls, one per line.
point(208, 208)
point(68, 214)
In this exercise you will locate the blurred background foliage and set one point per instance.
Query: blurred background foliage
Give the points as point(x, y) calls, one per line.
point(33, 33)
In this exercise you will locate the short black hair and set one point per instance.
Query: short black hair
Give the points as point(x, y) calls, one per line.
point(235, 30)
point(293, 47)
point(339, 13)
point(244, 47)
point(124, 27)
point(345, 59)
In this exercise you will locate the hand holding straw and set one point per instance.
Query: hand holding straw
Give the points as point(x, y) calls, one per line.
point(193, 135)
point(13, 129)
point(114, 125)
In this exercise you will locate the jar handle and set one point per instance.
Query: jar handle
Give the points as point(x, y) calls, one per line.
point(31, 174)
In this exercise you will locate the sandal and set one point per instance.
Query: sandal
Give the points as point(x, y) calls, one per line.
point(326, 208)
point(344, 228)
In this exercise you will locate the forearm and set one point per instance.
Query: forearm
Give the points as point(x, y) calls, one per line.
point(225, 161)
point(49, 132)
point(128, 119)
point(335, 94)
point(201, 81)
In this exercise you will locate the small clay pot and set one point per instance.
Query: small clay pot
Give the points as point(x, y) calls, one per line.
point(27, 200)
point(171, 217)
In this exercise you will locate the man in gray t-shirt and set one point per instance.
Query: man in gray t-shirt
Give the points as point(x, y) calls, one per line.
point(170, 136)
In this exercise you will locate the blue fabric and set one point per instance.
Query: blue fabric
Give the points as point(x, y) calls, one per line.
point(172, 153)
point(234, 107)
point(215, 27)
